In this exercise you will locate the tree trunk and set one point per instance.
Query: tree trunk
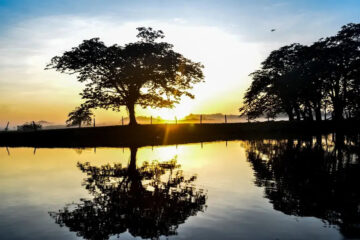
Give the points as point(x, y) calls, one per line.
point(319, 141)
point(297, 112)
point(132, 164)
point(79, 124)
point(290, 113)
point(131, 110)
point(134, 178)
point(337, 104)
point(303, 114)
point(338, 111)
point(318, 114)
point(309, 113)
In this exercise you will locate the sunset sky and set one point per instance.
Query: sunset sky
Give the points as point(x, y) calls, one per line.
point(230, 38)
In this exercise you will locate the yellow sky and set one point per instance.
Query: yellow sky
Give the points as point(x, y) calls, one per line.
point(29, 92)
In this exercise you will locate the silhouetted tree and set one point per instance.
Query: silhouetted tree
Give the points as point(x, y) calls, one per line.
point(272, 91)
point(81, 115)
point(313, 177)
point(340, 58)
point(145, 73)
point(29, 126)
point(303, 81)
point(149, 201)
point(305, 84)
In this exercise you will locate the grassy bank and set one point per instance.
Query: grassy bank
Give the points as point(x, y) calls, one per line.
point(160, 134)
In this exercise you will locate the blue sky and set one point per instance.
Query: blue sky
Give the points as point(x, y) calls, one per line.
point(229, 37)
point(228, 13)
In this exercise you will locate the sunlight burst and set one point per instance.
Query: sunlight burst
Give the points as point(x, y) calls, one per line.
point(180, 111)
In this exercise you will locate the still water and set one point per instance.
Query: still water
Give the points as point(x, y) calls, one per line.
point(263, 189)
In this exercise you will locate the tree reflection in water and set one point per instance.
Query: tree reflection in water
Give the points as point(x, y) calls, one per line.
point(149, 201)
point(319, 177)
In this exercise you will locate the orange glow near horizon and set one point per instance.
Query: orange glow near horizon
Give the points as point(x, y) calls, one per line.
point(50, 95)
point(180, 111)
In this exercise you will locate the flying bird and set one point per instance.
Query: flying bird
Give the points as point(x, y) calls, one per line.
point(273, 30)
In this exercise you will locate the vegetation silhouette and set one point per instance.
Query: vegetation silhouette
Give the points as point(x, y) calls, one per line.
point(149, 201)
point(29, 127)
point(315, 177)
point(305, 82)
point(81, 115)
point(145, 73)
point(165, 134)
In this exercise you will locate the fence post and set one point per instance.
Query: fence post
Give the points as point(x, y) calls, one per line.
point(122, 120)
point(151, 120)
point(200, 118)
point(225, 119)
point(94, 122)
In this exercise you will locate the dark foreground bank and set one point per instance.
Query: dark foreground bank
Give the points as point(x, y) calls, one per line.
point(162, 134)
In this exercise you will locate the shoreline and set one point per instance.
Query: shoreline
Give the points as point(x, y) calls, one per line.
point(168, 134)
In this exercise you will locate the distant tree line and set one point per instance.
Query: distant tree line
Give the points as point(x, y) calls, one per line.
point(320, 81)
point(32, 126)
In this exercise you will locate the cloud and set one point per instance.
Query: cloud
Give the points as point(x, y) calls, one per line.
point(26, 51)
point(228, 53)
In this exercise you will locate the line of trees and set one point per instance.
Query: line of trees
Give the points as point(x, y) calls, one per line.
point(311, 177)
point(313, 82)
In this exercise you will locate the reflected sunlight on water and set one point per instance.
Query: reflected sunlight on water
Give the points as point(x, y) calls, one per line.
point(231, 204)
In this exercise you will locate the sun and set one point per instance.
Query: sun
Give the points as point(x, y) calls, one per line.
point(179, 112)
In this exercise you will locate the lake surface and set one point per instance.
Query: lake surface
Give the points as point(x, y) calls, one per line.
point(263, 189)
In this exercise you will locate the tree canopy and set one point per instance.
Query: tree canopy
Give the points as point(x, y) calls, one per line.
point(146, 73)
point(147, 201)
point(81, 115)
point(305, 82)
point(311, 178)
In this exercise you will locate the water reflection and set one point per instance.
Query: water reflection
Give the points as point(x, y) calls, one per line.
point(147, 201)
point(316, 177)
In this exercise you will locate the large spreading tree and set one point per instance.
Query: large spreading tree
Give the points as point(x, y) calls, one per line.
point(148, 201)
point(146, 73)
